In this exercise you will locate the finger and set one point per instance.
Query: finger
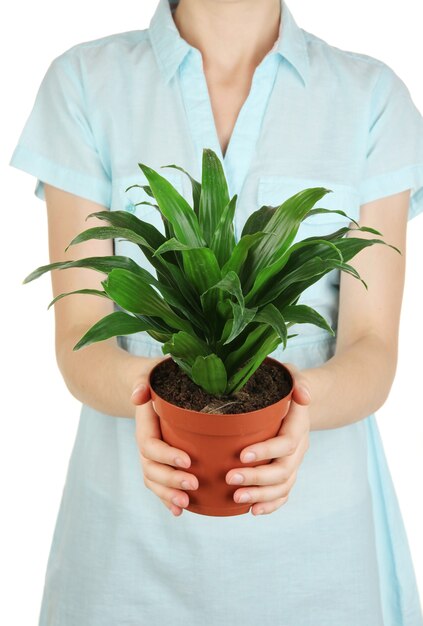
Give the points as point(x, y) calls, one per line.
point(295, 424)
point(293, 427)
point(270, 474)
point(263, 508)
point(301, 393)
point(301, 390)
point(176, 510)
point(140, 394)
point(268, 493)
point(168, 476)
point(261, 497)
point(141, 389)
point(279, 471)
point(149, 439)
point(172, 496)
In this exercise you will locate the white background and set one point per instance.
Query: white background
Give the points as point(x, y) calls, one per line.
point(39, 415)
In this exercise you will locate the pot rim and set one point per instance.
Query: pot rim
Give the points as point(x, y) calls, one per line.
point(223, 415)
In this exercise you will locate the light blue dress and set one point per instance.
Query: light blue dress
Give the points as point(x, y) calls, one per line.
point(337, 553)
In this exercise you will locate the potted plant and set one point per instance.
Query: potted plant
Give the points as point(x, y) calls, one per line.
point(219, 307)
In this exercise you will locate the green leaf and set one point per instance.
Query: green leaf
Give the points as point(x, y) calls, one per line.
point(214, 195)
point(303, 314)
point(223, 238)
point(229, 283)
point(251, 343)
point(175, 208)
point(185, 367)
point(91, 292)
point(123, 219)
point(239, 253)
point(100, 263)
point(349, 269)
point(320, 210)
point(146, 188)
point(271, 316)
point(174, 244)
point(367, 229)
point(300, 279)
point(133, 293)
point(195, 186)
point(305, 274)
point(241, 318)
point(149, 204)
point(293, 284)
point(301, 271)
point(109, 232)
point(106, 263)
point(168, 272)
point(284, 223)
point(267, 276)
point(258, 220)
point(202, 269)
point(210, 374)
point(186, 346)
point(159, 336)
point(238, 380)
point(178, 281)
point(350, 246)
point(112, 325)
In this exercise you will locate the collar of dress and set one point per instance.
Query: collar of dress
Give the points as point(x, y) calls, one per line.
point(170, 48)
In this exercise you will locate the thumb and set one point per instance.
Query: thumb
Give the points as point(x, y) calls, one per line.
point(301, 390)
point(140, 392)
point(147, 424)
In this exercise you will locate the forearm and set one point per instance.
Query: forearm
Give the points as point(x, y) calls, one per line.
point(352, 384)
point(102, 374)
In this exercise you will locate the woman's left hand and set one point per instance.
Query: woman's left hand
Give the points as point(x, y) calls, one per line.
point(271, 483)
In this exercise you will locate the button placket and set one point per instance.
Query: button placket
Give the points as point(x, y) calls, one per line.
point(201, 123)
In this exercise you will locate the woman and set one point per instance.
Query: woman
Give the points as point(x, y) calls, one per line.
point(284, 110)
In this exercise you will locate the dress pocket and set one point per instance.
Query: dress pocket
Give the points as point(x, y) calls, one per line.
point(275, 189)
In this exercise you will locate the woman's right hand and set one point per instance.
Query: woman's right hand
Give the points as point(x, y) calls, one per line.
point(159, 459)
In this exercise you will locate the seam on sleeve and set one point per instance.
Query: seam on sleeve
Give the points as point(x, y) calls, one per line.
point(395, 181)
point(48, 171)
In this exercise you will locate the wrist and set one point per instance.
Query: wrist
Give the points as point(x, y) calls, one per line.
point(139, 368)
point(320, 381)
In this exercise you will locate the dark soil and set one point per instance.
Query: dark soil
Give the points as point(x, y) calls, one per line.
point(267, 385)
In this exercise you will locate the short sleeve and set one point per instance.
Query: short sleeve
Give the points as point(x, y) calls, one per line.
point(57, 145)
point(394, 158)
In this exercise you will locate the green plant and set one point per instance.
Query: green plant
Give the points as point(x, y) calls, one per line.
point(218, 306)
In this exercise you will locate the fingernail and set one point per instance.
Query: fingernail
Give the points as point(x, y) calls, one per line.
point(244, 497)
point(250, 456)
point(236, 479)
point(306, 392)
point(178, 502)
point(180, 462)
point(141, 387)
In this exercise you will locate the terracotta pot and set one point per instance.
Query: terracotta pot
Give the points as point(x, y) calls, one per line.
point(214, 442)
